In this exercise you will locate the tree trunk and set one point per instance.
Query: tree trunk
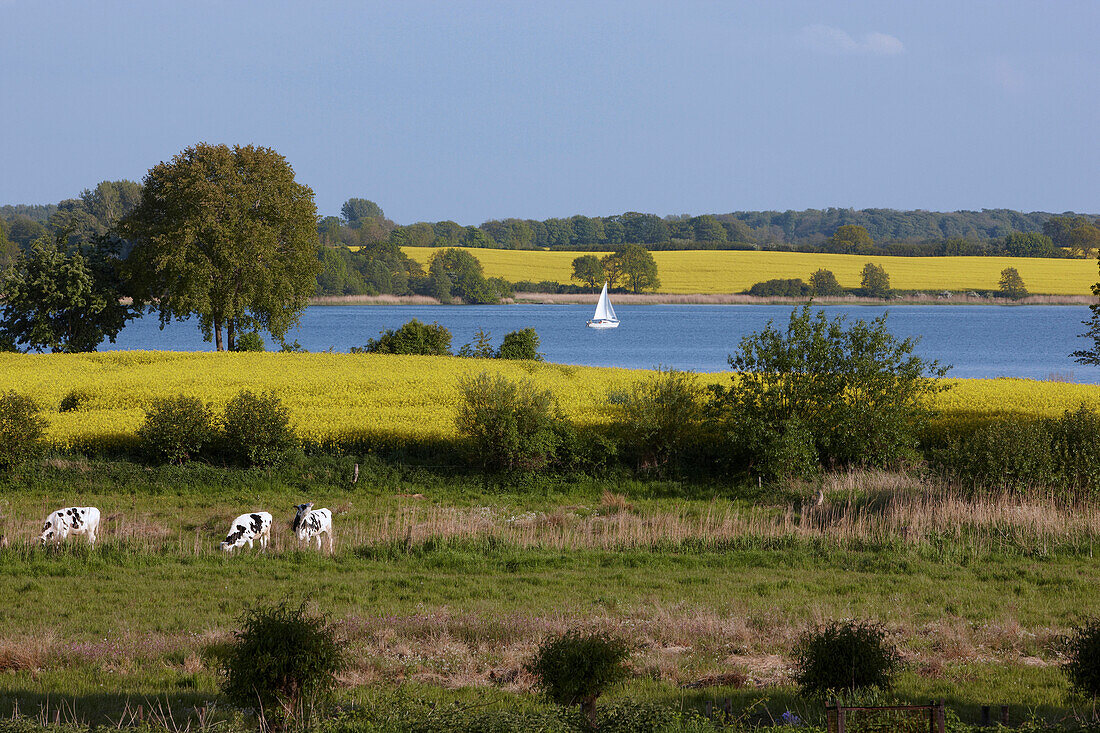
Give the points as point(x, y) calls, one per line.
point(230, 332)
point(218, 333)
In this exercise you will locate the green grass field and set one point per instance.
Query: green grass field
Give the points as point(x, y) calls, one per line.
point(444, 585)
point(717, 271)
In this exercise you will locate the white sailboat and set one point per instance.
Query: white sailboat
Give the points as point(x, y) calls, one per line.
point(605, 314)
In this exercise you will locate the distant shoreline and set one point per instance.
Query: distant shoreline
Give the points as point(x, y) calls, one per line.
point(712, 299)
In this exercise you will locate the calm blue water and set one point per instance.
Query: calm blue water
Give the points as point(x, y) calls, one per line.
point(979, 341)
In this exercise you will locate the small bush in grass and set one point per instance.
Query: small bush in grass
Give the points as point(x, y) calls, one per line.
point(257, 429)
point(20, 429)
point(1075, 444)
point(577, 667)
point(1083, 658)
point(283, 663)
point(845, 655)
point(510, 425)
point(74, 400)
point(658, 417)
point(1010, 453)
point(176, 429)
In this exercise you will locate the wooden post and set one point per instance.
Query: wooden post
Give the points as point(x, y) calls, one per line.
point(1004, 715)
point(707, 708)
point(985, 715)
point(840, 719)
point(941, 717)
point(727, 707)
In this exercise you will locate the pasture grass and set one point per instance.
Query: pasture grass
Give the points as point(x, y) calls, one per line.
point(727, 271)
point(446, 585)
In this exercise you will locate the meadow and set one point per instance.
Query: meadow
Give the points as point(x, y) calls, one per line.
point(718, 271)
point(356, 400)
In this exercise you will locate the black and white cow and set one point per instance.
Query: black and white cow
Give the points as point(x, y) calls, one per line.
point(310, 524)
point(247, 529)
point(71, 520)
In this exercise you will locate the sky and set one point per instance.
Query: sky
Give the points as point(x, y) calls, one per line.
point(479, 110)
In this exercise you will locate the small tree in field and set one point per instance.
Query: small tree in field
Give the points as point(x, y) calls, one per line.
point(577, 667)
point(845, 655)
point(1012, 285)
point(874, 281)
point(20, 429)
point(1083, 651)
point(510, 425)
point(824, 283)
point(522, 344)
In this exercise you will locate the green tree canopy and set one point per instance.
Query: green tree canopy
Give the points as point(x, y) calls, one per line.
point(1012, 285)
point(851, 239)
point(874, 281)
point(589, 270)
point(467, 277)
point(824, 283)
point(355, 211)
point(228, 235)
point(635, 266)
point(63, 300)
point(1030, 244)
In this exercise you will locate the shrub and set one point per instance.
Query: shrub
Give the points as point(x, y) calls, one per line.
point(824, 283)
point(73, 400)
point(1083, 658)
point(257, 429)
point(20, 429)
point(283, 663)
point(1075, 448)
point(658, 417)
point(795, 288)
point(412, 338)
point(845, 655)
point(874, 281)
point(523, 344)
point(250, 341)
point(176, 429)
point(480, 348)
point(577, 667)
point(1011, 284)
point(860, 392)
point(510, 425)
point(1010, 453)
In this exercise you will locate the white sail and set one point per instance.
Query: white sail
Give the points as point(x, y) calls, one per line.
point(605, 314)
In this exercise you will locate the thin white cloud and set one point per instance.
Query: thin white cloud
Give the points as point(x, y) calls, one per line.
point(828, 39)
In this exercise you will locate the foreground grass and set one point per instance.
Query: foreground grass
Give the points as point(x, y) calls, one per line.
point(445, 585)
point(717, 271)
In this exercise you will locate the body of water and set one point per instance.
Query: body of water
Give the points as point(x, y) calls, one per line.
point(1033, 342)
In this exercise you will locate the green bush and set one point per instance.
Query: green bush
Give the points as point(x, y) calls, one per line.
point(283, 664)
point(1010, 453)
point(480, 348)
point(792, 288)
point(20, 429)
point(824, 283)
point(577, 667)
point(1075, 444)
point(257, 429)
point(509, 425)
point(250, 341)
point(859, 391)
point(176, 429)
point(1083, 658)
point(523, 344)
point(658, 418)
point(73, 400)
point(844, 655)
point(412, 338)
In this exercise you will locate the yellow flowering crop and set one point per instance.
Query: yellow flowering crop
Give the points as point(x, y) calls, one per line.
point(340, 398)
point(726, 271)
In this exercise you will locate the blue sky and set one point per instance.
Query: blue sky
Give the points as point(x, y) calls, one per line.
point(471, 111)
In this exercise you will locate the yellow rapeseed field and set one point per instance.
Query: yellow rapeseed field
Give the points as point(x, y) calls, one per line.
point(339, 398)
point(734, 271)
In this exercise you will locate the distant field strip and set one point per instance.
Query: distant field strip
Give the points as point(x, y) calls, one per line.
point(733, 271)
point(340, 399)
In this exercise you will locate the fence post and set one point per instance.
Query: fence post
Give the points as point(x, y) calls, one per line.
point(840, 719)
point(727, 708)
point(941, 717)
point(1004, 714)
point(707, 709)
point(985, 715)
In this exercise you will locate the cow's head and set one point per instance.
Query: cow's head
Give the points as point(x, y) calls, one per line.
point(301, 511)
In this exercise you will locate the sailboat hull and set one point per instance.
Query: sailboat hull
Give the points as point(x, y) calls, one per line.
point(603, 324)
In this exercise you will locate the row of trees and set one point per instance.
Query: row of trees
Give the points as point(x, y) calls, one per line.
point(632, 267)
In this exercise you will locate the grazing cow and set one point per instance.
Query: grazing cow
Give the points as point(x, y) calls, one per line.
point(310, 524)
point(246, 529)
point(72, 520)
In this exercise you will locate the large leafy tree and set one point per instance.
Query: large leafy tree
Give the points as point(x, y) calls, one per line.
point(851, 239)
point(356, 210)
point(636, 267)
point(228, 235)
point(464, 273)
point(589, 270)
point(64, 299)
